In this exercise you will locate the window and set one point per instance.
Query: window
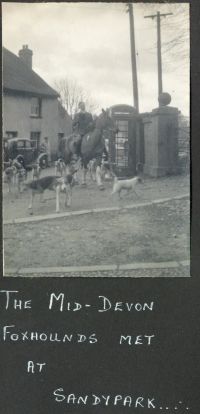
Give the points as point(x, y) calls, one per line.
point(121, 143)
point(11, 134)
point(20, 144)
point(35, 139)
point(36, 107)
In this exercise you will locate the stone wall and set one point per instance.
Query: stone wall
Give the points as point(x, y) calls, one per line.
point(161, 142)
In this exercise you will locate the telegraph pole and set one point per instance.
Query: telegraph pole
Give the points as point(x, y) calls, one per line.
point(133, 57)
point(159, 54)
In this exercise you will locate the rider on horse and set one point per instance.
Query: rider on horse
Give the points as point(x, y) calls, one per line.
point(82, 124)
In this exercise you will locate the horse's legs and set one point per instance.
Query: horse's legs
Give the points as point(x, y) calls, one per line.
point(103, 171)
point(57, 199)
point(68, 197)
point(93, 175)
point(92, 169)
point(99, 178)
point(84, 174)
point(30, 207)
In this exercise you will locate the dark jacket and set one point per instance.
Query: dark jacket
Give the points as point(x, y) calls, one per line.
point(83, 123)
point(6, 155)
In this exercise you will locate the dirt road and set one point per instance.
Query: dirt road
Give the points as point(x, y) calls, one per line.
point(153, 233)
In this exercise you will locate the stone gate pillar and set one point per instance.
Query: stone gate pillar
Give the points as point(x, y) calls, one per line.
point(161, 140)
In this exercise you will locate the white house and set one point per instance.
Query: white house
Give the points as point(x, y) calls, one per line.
point(31, 108)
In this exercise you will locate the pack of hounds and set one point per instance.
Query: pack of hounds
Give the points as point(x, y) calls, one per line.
point(15, 173)
point(64, 178)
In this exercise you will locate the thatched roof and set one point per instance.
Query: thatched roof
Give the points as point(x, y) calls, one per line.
point(18, 78)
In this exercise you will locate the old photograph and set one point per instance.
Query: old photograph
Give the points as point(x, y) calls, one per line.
point(96, 139)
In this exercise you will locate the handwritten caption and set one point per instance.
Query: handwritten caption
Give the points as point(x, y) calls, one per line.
point(58, 302)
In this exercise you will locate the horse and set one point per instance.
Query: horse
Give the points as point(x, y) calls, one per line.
point(92, 145)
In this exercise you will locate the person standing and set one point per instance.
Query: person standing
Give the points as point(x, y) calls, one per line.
point(46, 146)
point(6, 155)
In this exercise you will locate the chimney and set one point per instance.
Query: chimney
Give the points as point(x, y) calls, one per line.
point(26, 55)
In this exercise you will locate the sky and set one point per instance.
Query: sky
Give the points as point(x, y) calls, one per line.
point(90, 43)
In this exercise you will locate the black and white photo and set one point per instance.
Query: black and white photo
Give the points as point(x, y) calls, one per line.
point(96, 139)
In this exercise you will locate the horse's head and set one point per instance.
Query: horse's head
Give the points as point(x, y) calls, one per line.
point(104, 121)
point(68, 146)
